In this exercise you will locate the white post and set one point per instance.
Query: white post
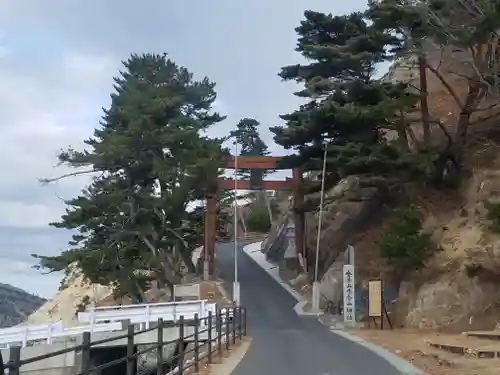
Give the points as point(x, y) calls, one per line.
point(206, 275)
point(148, 316)
point(236, 283)
point(315, 291)
point(203, 314)
point(25, 338)
point(49, 336)
point(92, 317)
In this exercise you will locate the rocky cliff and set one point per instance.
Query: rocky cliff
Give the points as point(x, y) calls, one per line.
point(16, 305)
point(445, 295)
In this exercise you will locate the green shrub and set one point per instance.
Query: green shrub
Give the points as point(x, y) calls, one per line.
point(493, 208)
point(403, 245)
point(258, 219)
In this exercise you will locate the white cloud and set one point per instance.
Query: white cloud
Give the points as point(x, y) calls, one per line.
point(23, 215)
point(220, 106)
point(39, 115)
point(24, 276)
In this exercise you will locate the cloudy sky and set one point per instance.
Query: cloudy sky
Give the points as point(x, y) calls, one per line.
point(57, 60)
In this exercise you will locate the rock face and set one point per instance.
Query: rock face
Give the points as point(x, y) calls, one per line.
point(16, 304)
point(454, 298)
point(444, 295)
point(343, 220)
point(78, 294)
point(66, 304)
point(451, 300)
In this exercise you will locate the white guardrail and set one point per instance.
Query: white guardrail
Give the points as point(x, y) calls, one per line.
point(48, 332)
point(109, 318)
point(144, 314)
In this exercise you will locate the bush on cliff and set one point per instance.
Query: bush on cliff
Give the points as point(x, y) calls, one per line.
point(404, 245)
point(258, 219)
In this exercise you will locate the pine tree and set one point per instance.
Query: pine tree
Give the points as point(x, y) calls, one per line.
point(247, 136)
point(249, 142)
point(466, 31)
point(349, 110)
point(132, 223)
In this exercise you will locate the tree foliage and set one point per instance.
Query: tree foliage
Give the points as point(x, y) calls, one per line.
point(247, 137)
point(349, 110)
point(403, 245)
point(466, 31)
point(258, 219)
point(133, 223)
point(249, 141)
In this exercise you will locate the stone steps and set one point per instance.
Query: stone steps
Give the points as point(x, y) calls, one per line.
point(488, 335)
point(477, 344)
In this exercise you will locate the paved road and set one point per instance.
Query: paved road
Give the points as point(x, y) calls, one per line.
point(284, 343)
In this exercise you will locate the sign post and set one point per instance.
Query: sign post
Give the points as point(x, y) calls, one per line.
point(375, 298)
point(376, 304)
point(349, 295)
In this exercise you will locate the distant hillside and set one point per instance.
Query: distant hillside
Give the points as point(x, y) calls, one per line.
point(16, 305)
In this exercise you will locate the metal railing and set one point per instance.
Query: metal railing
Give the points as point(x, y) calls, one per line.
point(146, 313)
point(211, 336)
point(106, 319)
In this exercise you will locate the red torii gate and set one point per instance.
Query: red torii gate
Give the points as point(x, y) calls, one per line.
point(254, 162)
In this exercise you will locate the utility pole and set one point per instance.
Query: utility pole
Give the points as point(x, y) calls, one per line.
point(315, 291)
point(236, 283)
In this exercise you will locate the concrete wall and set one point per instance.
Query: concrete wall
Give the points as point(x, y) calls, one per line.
point(70, 363)
point(65, 364)
point(148, 360)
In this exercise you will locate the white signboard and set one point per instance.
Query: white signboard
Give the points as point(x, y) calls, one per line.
point(349, 296)
point(187, 291)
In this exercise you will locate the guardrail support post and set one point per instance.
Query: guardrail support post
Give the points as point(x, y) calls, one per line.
point(181, 345)
point(196, 343)
point(159, 351)
point(130, 350)
point(14, 359)
point(239, 322)
point(244, 311)
point(218, 326)
point(233, 328)
point(86, 354)
point(227, 328)
point(209, 337)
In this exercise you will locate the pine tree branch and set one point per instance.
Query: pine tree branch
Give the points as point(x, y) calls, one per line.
point(445, 83)
point(46, 181)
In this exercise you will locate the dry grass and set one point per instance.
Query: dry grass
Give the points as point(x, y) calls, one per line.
point(219, 358)
point(414, 347)
point(211, 290)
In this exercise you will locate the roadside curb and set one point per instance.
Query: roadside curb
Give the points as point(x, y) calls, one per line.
point(404, 367)
point(227, 366)
point(253, 251)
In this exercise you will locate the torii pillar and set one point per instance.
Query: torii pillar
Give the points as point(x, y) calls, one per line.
point(210, 237)
point(298, 215)
point(254, 162)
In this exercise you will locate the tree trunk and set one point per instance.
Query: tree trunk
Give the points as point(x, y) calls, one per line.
point(424, 105)
point(185, 255)
point(470, 105)
point(138, 295)
point(138, 298)
point(169, 275)
point(403, 139)
point(268, 205)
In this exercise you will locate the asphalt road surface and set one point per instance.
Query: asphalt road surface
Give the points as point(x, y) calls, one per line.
point(282, 342)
